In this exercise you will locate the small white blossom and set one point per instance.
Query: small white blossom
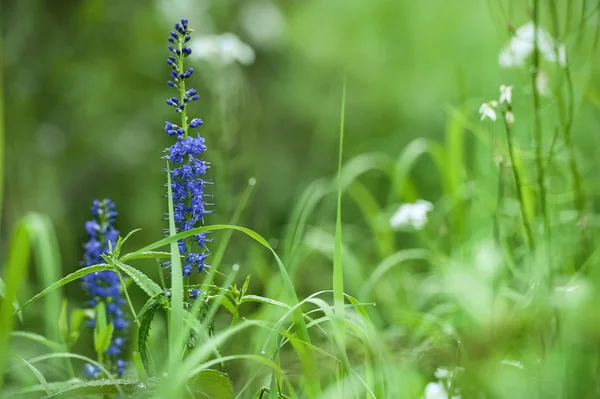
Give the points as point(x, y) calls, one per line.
point(510, 118)
point(264, 22)
point(414, 215)
point(436, 390)
point(521, 46)
point(487, 111)
point(505, 94)
point(442, 373)
point(226, 48)
point(541, 83)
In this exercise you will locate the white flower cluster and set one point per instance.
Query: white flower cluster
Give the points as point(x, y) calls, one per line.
point(522, 45)
point(438, 389)
point(414, 215)
point(488, 110)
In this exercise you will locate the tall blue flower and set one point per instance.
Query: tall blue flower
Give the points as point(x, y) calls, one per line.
point(187, 166)
point(104, 286)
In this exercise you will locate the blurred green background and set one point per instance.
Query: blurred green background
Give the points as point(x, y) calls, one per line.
point(85, 84)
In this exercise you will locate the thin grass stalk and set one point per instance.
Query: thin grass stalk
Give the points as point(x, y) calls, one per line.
point(537, 126)
point(519, 185)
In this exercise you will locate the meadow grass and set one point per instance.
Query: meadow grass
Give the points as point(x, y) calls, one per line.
point(493, 296)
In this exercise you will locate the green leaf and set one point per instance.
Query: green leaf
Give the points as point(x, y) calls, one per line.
point(212, 384)
point(102, 343)
point(122, 241)
point(176, 310)
point(55, 346)
point(261, 299)
point(44, 245)
point(15, 303)
point(143, 281)
point(37, 373)
point(63, 327)
point(15, 270)
point(65, 280)
point(146, 255)
point(77, 318)
point(145, 317)
point(246, 285)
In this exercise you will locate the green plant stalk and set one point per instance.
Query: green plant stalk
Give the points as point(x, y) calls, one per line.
point(338, 271)
point(567, 117)
point(518, 184)
point(184, 125)
point(16, 265)
point(537, 125)
point(220, 253)
point(1, 123)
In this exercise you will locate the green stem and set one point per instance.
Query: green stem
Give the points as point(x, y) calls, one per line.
point(184, 125)
point(537, 129)
point(518, 184)
point(127, 297)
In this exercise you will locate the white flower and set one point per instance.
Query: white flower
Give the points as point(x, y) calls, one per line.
point(436, 390)
point(226, 48)
point(522, 46)
point(442, 373)
point(264, 22)
point(487, 111)
point(541, 83)
point(505, 94)
point(414, 215)
point(510, 118)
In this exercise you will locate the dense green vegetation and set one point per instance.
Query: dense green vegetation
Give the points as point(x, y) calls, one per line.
point(374, 235)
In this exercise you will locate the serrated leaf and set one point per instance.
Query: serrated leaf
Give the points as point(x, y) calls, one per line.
point(122, 241)
point(145, 317)
point(66, 280)
point(142, 281)
point(145, 255)
point(213, 384)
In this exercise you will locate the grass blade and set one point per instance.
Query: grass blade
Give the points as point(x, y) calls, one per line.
point(17, 262)
point(176, 313)
point(66, 280)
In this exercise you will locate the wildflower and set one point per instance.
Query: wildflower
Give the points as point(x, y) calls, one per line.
point(187, 184)
point(414, 215)
point(226, 49)
point(522, 45)
point(104, 287)
point(487, 110)
point(505, 94)
point(436, 390)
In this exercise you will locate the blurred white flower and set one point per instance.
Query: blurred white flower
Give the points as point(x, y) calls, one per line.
point(436, 390)
point(505, 94)
point(541, 83)
point(510, 118)
point(487, 110)
point(442, 373)
point(263, 21)
point(226, 48)
point(414, 215)
point(521, 46)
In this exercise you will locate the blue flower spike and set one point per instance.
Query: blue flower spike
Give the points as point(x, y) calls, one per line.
point(104, 286)
point(187, 167)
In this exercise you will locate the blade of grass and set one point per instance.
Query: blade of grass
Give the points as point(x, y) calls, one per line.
point(216, 263)
point(48, 264)
point(176, 312)
point(16, 265)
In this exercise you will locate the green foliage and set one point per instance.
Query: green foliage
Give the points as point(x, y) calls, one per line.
point(495, 296)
